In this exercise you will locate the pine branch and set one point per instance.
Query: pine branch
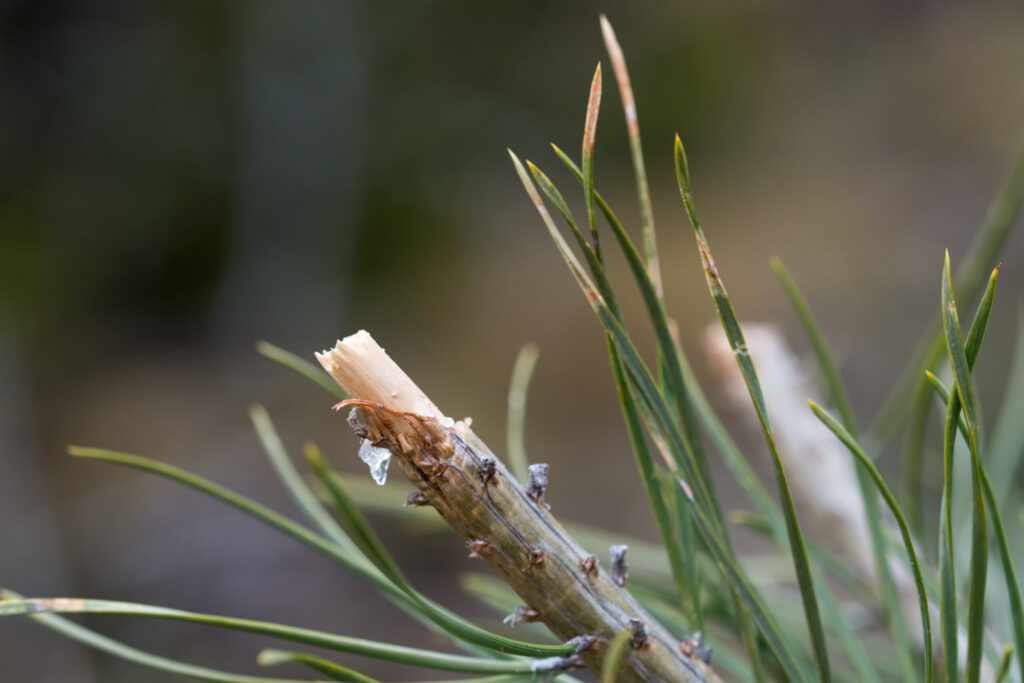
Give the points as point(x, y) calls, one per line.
point(503, 524)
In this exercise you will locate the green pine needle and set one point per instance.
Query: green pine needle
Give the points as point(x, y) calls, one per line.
point(301, 366)
point(830, 372)
point(97, 641)
point(354, 561)
point(731, 326)
point(518, 389)
point(979, 538)
point(908, 541)
point(358, 646)
point(336, 672)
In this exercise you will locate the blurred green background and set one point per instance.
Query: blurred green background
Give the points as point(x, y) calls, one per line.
point(179, 179)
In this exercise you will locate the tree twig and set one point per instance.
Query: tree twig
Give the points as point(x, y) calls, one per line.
point(502, 524)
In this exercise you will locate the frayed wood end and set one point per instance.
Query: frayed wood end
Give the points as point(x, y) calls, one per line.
point(364, 370)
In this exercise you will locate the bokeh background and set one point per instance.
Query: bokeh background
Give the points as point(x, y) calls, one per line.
point(179, 179)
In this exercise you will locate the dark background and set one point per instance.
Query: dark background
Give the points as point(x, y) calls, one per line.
point(181, 178)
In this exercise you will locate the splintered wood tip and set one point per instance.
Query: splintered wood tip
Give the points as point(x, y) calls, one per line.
point(364, 370)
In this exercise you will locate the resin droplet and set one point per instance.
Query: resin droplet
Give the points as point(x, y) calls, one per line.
point(378, 460)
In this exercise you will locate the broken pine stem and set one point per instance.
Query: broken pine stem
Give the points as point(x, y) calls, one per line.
point(503, 525)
